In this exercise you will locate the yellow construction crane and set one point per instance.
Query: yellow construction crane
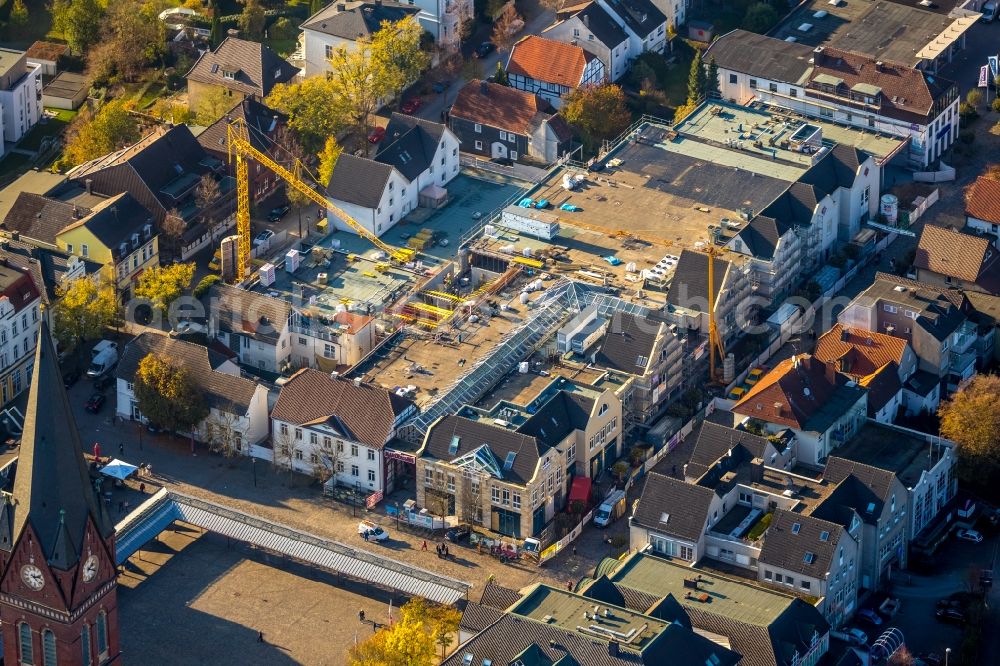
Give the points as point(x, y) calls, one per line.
point(714, 341)
point(243, 150)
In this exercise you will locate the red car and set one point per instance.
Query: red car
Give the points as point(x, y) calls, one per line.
point(412, 105)
point(376, 134)
point(95, 403)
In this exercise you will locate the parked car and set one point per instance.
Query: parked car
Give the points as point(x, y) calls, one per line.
point(71, 377)
point(94, 403)
point(950, 615)
point(457, 533)
point(187, 327)
point(870, 616)
point(484, 49)
point(263, 237)
point(376, 135)
point(278, 212)
point(970, 535)
point(441, 86)
point(856, 636)
point(411, 105)
point(931, 658)
point(374, 532)
point(989, 12)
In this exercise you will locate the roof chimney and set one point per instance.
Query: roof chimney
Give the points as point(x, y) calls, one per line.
point(89, 184)
point(232, 32)
point(878, 65)
point(342, 7)
point(586, 20)
point(844, 335)
point(777, 408)
point(484, 87)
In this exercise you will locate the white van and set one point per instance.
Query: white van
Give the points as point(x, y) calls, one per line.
point(989, 12)
point(611, 509)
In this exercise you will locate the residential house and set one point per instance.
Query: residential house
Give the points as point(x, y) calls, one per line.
point(264, 126)
point(775, 250)
point(823, 409)
point(814, 557)
point(552, 69)
point(955, 260)
point(341, 24)
point(117, 233)
point(336, 428)
point(935, 321)
point(20, 94)
point(986, 316)
point(881, 501)
point(673, 518)
point(642, 21)
point(765, 626)
point(51, 270)
point(237, 419)
point(841, 86)
point(688, 293)
point(48, 55)
point(649, 350)
point(879, 362)
point(544, 627)
point(330, 343)
point(506, 481)
point(414, 163)
point(494, 120)
point(20, 301)
point(253, 325)
point(239, 68)
point(982, 208)
point(594, 29)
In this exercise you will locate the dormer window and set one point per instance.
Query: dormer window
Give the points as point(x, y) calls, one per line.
point(228, 74)
point(135, 240)
point(147, 231)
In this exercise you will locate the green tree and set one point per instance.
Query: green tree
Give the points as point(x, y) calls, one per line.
point(974, 97)
point(396, 47)
point(760, 17)
point(500, 76)
point(316, 6)
point(252, 20)
point(167, 395)
point(18, 14)
point(311, 115)
point(598, 112)
point(212, 105)
point(215, 37)
point(79, 22)
point(84, 309)
point(712, 80)
point(328, 160)
point(161, 285)
point(971, 419)
point(696, 79)
point(357, 84)
point(96, 134)
point(134, 38)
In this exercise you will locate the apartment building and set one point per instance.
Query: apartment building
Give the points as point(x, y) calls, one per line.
point(20, 94)
point(20, 299)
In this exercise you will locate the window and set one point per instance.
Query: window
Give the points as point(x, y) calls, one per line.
point(576, 32)
point(796, 527)
point(428, 476)
point(340, 447)
point(513, 154)
point(824, 536)
point(503, 135)
point(354, 450)
point(805, 585)
point(479, 145)
point(298, 433)
point(793, 92)
point(355, 471)
point(313, 438)
point(505, 493)
point(451, 483)
point(298, 454)
point(889, 308)
point(753, 83)
point(85, 645)
point(495, 494)
point(808, 558)
point(228, 75)
point(517, 501)
point(85, 250)
point(687, 553)
point(479, 128)
point(767, 575)
point(371, 454)
point(773, 87)
point(571, 453)
point(328, 351)
point(778, 578)
point(371, 476)
point(69, 248)
point(313, 458)
point(24, 644)
point(102, 635)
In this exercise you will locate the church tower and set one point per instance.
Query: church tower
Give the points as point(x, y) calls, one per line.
point(58, 586)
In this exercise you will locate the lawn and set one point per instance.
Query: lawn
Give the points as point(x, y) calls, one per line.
point(13, 165)
point(51, 127)
point(283, 47)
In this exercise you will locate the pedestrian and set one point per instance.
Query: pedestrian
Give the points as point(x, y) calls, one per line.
point(574, 550)
point(361, 615)
point(126, 506)
point(365, 535)
point(569, 585)
point(260, 636)
point(424, 547)
point(142, 488)
point(446, 550)
point(121, 449)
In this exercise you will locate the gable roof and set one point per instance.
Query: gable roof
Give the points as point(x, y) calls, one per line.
point(256, 68)
point(40, 218)
point(563, 413)
point(859, 487)
point(260, 119)
point(361, 412)
point(690, 284)
point(796, 205)
point(882, 385)
point(799, 543)
point(358, 180)
point(759, 55)
point(857, 352)
point(548, 60)
point(640, 16)
point(599, 21)
point(799, 394)
point(410, 144)
point(715, 440)
point(628, 343)
point(762, 234)
point(952, 253)
point(837, 168)
point(357, 19)
point(673, 507)
point(221, 390)
point(983, 200)
point(907, 93)
point(249, 313)
point(46, 267)
point(499, 597)
point(453, 437)
point(500, 106)
point(114, 221)
point(53, 492)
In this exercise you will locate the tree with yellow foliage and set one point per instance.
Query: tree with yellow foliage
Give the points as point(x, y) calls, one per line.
point(328, 160)
point(411, 640)
point(83, 310)
point(95, 134)
point(163, 284)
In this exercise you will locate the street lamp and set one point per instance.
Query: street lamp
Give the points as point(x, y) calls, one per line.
point(253, 467)
point(947, 653)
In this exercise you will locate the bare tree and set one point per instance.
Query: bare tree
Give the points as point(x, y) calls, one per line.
point(506, 26)
point(173, 229)
point(471, 497)
point(328, 462)
point(282, 451)
point(222, 432)
point(205, 196)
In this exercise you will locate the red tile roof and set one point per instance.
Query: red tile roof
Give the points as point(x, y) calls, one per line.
point(500, 106)
point(863, 352)
point(790, 393)
point(548, 60)
point(983, 201)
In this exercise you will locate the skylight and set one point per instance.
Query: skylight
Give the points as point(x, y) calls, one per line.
point(467, 659)
point(824, 536)
point(641, 361)
point(509, 461)
point(871, 507)
point(453, 447)
point(808, 558)
point(796, 527)
point(664, 517)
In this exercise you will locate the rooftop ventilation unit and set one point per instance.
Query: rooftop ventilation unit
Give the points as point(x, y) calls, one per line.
point(835, 3)
point(791, 38)
point(820, 14)
point(805, 27)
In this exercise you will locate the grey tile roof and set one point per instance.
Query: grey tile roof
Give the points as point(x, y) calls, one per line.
point(221, 390)
point(761, 236)
point(473, 434)
point(808, 549)
point(796, 205)
point(838, 168)
point(498, 596)
point(939, 311)
point(256, 67)
point(602, 25)
point(562, 414)
point(859, 487)
point(358, 180)
point(47, 267)
point(359, 19)
point(690, 282)
point(259, 118)
point(115, 220)
point(248, 313)
point(714, 441)
point(40, 218)
point(628, 344)
point(53, 493)
point(362, 412)
point(476, 617)
point(641, 16)
point(759, 55)
point(410, 144)
point(673, 507)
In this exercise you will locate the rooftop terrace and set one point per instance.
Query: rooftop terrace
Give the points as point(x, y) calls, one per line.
point(904, 452)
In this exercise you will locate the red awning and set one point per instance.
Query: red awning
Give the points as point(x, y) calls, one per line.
point(580, 490)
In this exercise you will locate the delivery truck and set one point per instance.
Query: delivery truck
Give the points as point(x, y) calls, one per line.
point(611, 509)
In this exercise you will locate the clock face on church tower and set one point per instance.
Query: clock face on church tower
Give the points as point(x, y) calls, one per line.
point(90, 568)
point(32, 577)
